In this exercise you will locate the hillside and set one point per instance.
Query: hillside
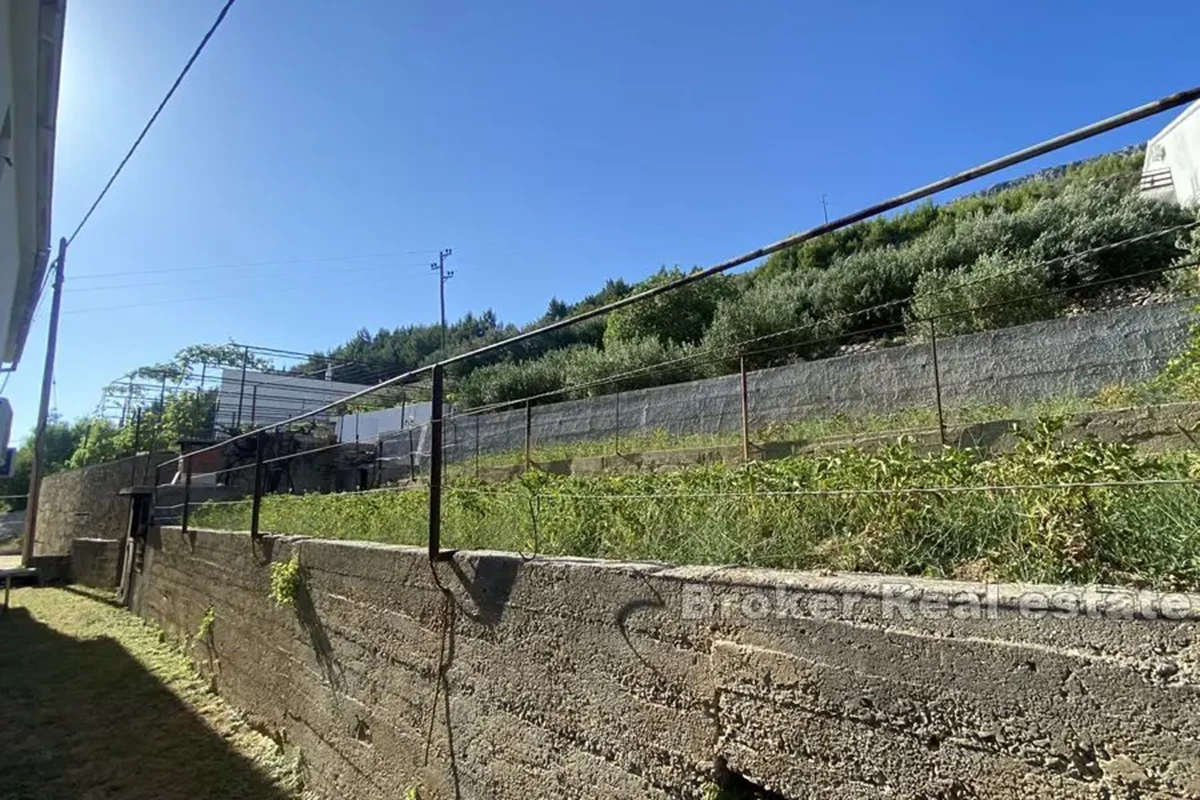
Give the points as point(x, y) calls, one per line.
point(1005, 256)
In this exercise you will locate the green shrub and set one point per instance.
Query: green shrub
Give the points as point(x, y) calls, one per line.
point(676, 317)
point(513, 380)
point(995, 292)
point(1185, 281)
point(654, 363)
point(778, 321)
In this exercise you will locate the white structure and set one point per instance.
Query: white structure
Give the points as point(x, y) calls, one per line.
point(263, 398)
point(30, 56)
point(368, 425)
point(1171, 170)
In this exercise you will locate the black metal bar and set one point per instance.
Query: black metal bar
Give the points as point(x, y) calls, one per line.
point(187, 490)
point(253, 404)
point(937, 382)
point(435, 466)
point(256, 503)
point(477, 447)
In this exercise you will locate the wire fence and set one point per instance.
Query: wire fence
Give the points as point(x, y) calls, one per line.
point(425, 465)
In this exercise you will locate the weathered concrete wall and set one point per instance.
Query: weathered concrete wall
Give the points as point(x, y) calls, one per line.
point(1067, 357)
point(83, 503)
point(96, 562)
point(493, 677)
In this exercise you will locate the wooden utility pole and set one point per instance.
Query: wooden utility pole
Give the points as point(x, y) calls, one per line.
point(39, 440)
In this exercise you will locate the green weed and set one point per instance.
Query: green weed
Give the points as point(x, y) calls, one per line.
point(204, 631)
point(809, 512)
point(285, 580)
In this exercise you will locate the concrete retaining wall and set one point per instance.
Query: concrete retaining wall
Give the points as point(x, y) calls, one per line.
point(1076, 356)
point(489, 676)
point(83, 503)
point(96, 562)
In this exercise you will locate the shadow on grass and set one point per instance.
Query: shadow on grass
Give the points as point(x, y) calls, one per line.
point(82, 718)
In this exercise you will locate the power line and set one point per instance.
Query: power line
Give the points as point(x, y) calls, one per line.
point(170, 92)
point(276, 275)
point(241, 265)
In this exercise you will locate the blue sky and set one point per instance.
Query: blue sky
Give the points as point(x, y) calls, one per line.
point(551, 145)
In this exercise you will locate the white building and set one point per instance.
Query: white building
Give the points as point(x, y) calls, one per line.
point(31, 34)
point(1171, 170)
point(254, 399)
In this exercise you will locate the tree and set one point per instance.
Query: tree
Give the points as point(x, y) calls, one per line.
point(679, 316)
point(62, 438)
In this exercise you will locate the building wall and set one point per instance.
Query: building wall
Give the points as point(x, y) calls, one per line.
point(492, 677)
point(267, 398)
point(1066, 357)
point(1177, 149)
point(83, 503)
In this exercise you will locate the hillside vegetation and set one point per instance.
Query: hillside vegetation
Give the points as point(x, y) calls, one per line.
point(989, 260)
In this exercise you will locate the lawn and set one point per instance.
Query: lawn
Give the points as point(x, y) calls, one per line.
point(97, 706)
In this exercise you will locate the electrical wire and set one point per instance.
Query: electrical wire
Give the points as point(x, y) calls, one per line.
point(243, 278)
point(153, 117)
point(896, 490)
point(247, 264)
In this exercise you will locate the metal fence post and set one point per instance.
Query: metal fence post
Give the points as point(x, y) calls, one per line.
point(412, 457)
point(242, 387)
point(937, 382)
point(745, 413)
point(617, 426)
point(528, 434)
point(256, 503)
point(187, 489)
point(435, 465)
point(253, 404)
point(476, 447)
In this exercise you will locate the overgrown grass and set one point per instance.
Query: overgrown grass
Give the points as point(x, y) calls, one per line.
point(97, 706)
point(853, 510)
point(816, 429)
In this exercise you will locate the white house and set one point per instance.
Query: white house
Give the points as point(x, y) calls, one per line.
point(1171, 170)
point(31, 33)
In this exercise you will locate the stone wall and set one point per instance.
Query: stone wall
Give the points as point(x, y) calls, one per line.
point(1065, 357)
point(96, 562)
point(83, 503)
point(489, 676)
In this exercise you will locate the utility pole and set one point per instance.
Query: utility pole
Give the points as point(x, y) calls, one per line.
point(443, 276)
point(39, 440)
point(825, 207)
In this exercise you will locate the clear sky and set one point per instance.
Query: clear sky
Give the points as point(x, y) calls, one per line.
point(552, 145)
